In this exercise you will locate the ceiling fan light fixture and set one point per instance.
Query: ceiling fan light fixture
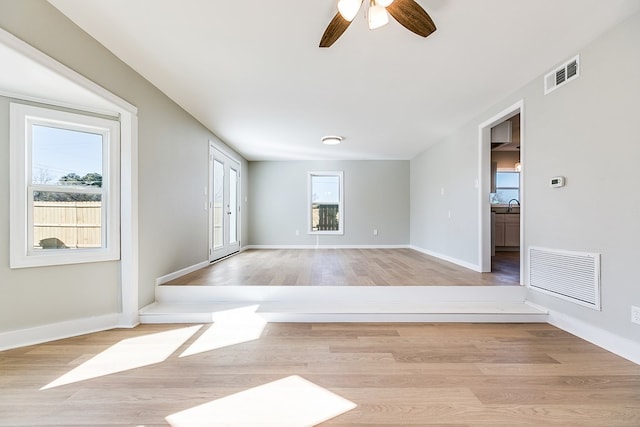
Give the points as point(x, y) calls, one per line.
point(408, 13)
point(349, 8)
point(378, 16)
point(331, 140)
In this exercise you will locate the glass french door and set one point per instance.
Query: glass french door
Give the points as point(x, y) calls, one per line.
point(224, 205)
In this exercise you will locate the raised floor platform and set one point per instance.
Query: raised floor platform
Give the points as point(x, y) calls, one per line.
point(202, 304)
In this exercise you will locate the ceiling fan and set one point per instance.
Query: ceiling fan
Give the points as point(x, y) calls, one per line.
point(407, 12)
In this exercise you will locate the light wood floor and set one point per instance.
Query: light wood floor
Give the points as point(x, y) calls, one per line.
point(349, 267)
point(396, 374)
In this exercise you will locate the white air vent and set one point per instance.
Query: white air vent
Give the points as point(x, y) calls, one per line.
point(573, 276)
point(568, 71)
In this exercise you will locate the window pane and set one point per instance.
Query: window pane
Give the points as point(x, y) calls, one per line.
point(66, 220)
point(502, 196)
point(218, 200)
point(508, 179)
point(233, 206)
point(325, 207)
point(325, 189)
point(325, 217)
point(64, 156)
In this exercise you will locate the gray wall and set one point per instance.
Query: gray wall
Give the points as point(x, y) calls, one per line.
point(444, 199)
point(32, 296)
point(376, 195)
point(577, 131)
point(173, 171)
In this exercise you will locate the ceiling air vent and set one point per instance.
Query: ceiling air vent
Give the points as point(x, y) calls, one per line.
point(565, 73)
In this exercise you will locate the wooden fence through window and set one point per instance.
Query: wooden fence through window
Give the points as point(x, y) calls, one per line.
point(325, 217)
point(67, 224)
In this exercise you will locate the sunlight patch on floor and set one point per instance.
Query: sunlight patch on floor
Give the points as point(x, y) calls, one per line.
point(128, 354)
point(230, 327)
point(291, 401)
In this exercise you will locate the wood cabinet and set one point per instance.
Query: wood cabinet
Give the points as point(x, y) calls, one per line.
point(512, 230)
point(499, 230)
point(507, 230)
point(502, 133)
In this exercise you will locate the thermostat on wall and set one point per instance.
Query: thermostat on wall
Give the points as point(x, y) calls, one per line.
point(557, 181)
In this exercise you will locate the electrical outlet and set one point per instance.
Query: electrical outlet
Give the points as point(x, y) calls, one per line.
point(375, 231)
point(635, 314)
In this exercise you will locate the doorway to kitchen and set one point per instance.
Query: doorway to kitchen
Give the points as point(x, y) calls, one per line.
point(501, 207)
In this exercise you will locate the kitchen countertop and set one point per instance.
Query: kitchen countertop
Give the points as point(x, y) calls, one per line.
point(505, 209)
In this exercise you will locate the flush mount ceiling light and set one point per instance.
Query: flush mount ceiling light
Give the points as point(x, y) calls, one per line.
point(332, 140)
point(407, 12)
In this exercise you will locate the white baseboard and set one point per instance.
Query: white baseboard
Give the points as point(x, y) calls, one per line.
point(168, 277)
point(616, 344)
point(399, 318)
point(326, 246)
point(128, 320)
point(56, 331)
point(465, 264)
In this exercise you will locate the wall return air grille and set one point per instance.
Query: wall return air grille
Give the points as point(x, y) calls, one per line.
point(573, 276)
point(566, 72)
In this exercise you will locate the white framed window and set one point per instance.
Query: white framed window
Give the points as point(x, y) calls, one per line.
point(325, 202)
point(64, 187)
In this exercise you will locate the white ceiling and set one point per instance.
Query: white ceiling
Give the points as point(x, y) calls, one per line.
point(252, 72)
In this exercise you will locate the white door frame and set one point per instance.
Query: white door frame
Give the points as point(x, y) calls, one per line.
point(213, 255)
point(484, 180)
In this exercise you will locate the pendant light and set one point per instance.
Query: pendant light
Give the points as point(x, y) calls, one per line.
point(378, 15)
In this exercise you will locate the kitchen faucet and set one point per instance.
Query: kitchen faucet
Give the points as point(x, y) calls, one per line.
point(512, 200)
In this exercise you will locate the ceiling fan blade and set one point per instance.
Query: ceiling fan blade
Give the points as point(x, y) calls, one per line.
point(334, 30)
point(412, 16)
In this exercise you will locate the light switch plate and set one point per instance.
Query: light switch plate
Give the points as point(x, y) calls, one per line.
point(557, 181)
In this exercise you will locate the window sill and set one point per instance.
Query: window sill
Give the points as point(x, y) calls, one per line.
point(62, 257)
